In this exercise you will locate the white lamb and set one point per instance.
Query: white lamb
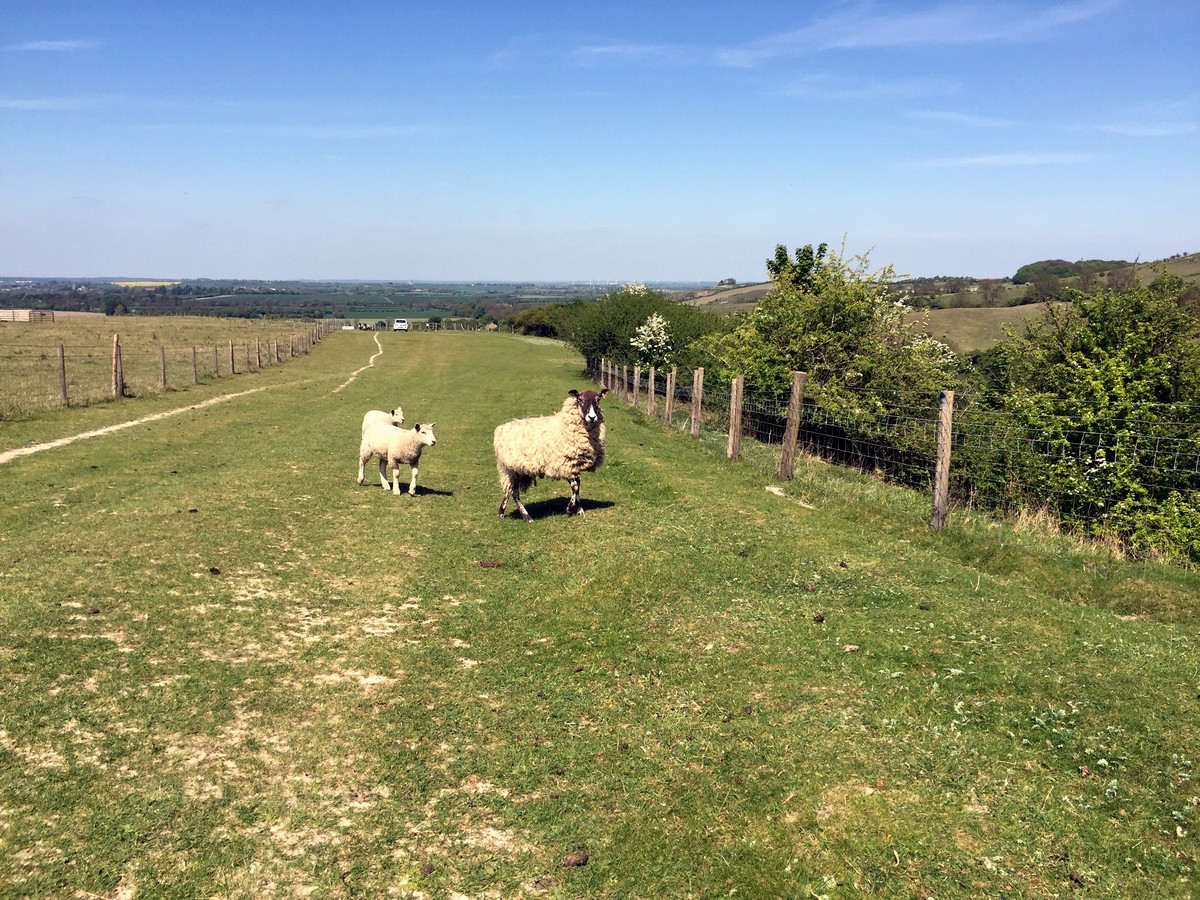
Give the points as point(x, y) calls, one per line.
point(394, 446)
point(558, 446)
point(395, 417)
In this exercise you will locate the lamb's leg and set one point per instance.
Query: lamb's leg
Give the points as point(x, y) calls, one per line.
point(573, 505)
point(362, 462)
point(504, 502)
point(383, 479)
point(412, 485)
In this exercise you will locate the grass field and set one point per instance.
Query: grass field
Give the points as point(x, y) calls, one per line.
point(965, 330)
point(29, 355)
point(227, 670)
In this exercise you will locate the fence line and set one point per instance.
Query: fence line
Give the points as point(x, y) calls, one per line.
point(958, 458)
point(83, 374)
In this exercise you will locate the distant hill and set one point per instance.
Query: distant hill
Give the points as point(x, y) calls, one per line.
point(1060, 268)
point(726, 299)
point(969, 330)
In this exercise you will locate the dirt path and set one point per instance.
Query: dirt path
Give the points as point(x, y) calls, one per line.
point(10, 455)
point(358, 372)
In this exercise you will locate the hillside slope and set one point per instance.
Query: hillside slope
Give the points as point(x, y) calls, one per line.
point(227, 669)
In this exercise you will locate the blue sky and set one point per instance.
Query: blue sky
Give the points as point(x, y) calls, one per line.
point(610, 141)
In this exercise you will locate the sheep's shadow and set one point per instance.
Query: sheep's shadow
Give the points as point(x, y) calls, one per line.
point(556, 506)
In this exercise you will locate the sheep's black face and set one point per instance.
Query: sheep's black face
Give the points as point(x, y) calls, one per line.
point(589, 406)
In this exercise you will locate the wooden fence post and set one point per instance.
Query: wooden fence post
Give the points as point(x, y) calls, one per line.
point(669, 404)
point(248, 365)
point(62, 374)
point(733, 448)
point(652, 395)
point(195, 368)
point(787, 459)
point(118, 373)
point(232, 364)
point(941, 476)
point(637, 384)
point(257, 353)
point(162, 368)
point(216, 363)
point(697, 398)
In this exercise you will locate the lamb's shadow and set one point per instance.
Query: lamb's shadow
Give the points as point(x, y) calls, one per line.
point(433, 492)
point(558, 506)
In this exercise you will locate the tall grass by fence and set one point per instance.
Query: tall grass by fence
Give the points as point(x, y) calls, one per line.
point(962, 458)
point(40, 374)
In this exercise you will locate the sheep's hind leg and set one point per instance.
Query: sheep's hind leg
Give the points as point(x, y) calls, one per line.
point(573, 505)
point(504, 502)
point(383, 479)
point(521, 506)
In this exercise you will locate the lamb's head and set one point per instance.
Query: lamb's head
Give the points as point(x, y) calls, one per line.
point(588, 404)
point(425, 433)
point(397, 416)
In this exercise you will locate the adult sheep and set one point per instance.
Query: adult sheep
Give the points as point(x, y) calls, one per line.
point(558, 446)
point(395, 417)
point(394, 447)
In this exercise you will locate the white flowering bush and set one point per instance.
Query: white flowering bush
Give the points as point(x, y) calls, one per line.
point(652, 341)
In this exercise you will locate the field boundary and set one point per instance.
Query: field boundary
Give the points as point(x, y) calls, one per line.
point(10, 455)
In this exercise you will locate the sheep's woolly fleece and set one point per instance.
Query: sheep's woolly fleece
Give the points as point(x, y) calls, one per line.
point(557, 446)
point(394, 447)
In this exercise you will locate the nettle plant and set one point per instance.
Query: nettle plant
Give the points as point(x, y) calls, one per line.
point(652, 341)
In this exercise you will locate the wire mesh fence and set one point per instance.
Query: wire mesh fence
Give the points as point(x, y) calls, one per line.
point(1137, 481)
point(81, 372)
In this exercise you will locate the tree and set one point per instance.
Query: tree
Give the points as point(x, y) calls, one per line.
point(800, 274)
point(652, 341)
point(1103, 387)
point(605, 328)
point(1044, 287)
point(833, 319)
point(990, 290)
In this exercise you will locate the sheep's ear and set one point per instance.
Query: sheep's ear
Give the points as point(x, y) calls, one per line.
point(430, 425)
point(603, 391)
point(573, 392)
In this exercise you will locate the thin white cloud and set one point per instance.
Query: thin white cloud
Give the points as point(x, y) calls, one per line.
point(1176, 117)
point(1151, 129)
point(867, 26)
point(302, 132)
point(836, 87)
point(999, 160)
point(53, 46)
point(965, 119)
point(42, 104)
point(630, 53)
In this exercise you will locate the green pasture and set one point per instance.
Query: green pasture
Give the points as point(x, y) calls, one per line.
point(193, 349)
point(227, 670)
point(978, 328)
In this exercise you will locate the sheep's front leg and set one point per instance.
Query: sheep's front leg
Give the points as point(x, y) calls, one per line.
point(383, 479)
point(504, 502)
point(362, 463)
point(412, 484)
point(573, 505)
